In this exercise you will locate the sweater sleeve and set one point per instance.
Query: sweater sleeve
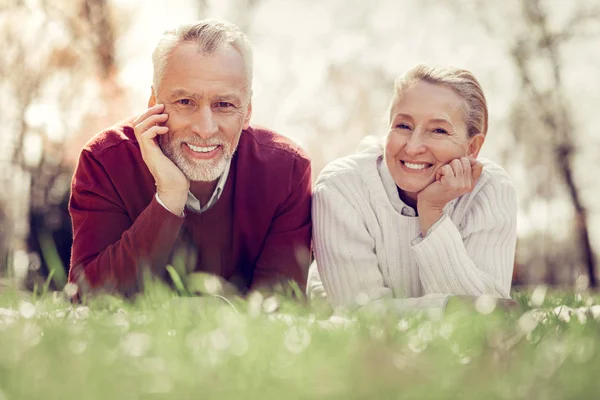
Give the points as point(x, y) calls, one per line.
point(479, 258)
point(346, 260)
point(286, 252)
point(109, 249)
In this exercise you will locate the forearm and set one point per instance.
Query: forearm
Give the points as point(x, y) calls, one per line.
point(120, 265)
point(446, 267)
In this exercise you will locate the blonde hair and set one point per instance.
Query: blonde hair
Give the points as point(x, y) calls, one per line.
point(210, 35)
point(461, 81)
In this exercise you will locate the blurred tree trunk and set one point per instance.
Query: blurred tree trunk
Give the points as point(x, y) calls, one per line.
point(553, 111)
point(54, 53)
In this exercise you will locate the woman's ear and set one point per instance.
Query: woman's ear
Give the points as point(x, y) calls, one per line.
point(475, 144)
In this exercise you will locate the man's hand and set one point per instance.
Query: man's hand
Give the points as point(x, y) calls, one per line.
point(171, 184)
point(451, 181)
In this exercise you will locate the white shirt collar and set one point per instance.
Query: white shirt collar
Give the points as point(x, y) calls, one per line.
point(194, 204)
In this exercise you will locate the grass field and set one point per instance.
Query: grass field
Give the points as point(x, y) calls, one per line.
point(165, 346)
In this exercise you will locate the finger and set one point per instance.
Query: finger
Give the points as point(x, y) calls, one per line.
point(457, 167)
point(466, 165)
point(151, 121)
point(444, 173)
point(148, 145)
point(155, 109)
point(153, 132)
point(477, 171)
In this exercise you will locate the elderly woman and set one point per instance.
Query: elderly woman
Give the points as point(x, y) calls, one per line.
point(421, 218)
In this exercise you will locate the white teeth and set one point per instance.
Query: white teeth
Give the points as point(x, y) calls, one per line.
point(201, 149)
point(415, 166)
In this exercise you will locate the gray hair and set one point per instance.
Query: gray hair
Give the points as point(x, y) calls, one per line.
point(210, 35)
point(461, 81)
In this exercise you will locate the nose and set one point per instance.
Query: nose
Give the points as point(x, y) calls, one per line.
point(415, 144)
point(203, 123)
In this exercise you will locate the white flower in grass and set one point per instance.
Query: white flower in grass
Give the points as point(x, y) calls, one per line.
point(563, 313)
point(136, 344)
point(485, 304)
point(271, 304)
point(403, 325)
point(595, 311)
point(80, 312)
point(416, 343)
point(70, 290)
point(297, 339)
point(581, 314)
point(465, 360)
point(527, 323)
point(255, 300)
point(26, 309)
point(538, 296)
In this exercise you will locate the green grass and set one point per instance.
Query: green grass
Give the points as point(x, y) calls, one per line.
point(165, 346)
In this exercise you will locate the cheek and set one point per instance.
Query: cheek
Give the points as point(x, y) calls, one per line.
point(449, 150)
point(393, 144)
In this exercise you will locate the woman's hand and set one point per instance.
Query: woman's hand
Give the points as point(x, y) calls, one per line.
point(452, 180)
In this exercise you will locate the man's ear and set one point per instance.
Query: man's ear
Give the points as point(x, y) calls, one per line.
point(248, 115)
point(152, 99)
point(475, 144)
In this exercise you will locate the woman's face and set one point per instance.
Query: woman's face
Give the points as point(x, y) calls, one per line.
point(427, 130)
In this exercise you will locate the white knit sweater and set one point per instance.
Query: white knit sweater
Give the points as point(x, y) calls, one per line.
point(368, 246)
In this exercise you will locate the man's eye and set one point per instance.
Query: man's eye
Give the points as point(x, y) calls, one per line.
point(184, 102)
point(440, 130)
point(402, 126)
point(224, 104)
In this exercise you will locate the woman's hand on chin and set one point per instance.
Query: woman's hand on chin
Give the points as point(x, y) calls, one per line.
point(452, 180)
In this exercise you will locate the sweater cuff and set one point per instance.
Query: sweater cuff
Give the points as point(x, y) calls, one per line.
point(167, 208)
point(431, 229)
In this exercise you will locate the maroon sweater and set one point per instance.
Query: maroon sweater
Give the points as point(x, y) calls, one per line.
point(257, 233)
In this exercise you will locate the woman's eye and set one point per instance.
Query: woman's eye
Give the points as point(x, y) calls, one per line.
point(224, 104)
point(441, 130)
point(402, 126)
point(184, 102)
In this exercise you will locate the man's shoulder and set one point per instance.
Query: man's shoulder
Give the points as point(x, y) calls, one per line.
point(270, 146)
point(119, 133)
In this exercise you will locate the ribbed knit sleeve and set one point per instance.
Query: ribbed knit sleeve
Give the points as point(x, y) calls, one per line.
point(346, 260)
point(479, 258)
point(344, 251)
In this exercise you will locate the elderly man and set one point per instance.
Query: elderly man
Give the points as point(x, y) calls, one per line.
point(192, 175)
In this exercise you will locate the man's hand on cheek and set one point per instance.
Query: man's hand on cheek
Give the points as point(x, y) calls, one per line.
point(452, 180)
point(171, 184)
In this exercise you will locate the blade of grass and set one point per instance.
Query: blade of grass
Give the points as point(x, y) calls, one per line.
point(50, 255)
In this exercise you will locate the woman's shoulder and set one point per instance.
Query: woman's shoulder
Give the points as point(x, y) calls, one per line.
point(494, 173)
point(494, 189)
point(356, 169)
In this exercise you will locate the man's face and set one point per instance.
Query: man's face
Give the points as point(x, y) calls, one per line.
point(207, 98)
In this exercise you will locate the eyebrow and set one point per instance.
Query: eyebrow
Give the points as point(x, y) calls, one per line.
point(438, 120)
point(182, 93)
point(221, 97)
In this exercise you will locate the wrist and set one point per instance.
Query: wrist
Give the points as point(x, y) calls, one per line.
point(173, 201)
point(427, 218)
